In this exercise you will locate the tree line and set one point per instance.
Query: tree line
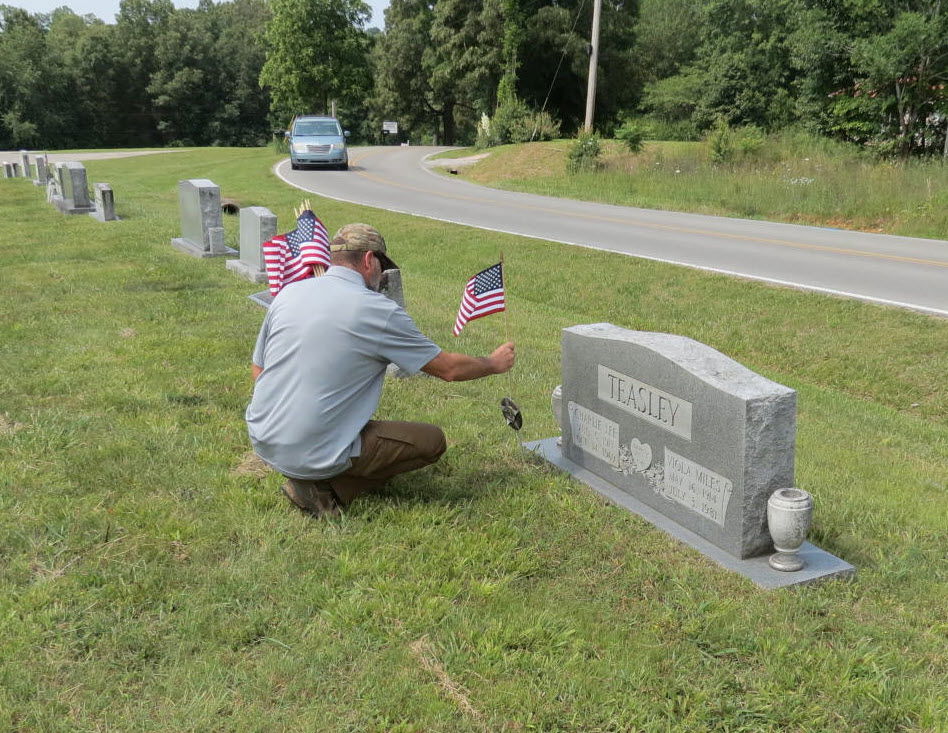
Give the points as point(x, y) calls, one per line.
point(873, 72)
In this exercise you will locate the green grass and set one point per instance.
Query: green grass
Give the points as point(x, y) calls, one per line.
point(149, 581)
point(793, 178)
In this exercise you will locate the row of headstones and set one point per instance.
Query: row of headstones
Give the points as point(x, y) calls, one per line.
point(66, 187)
point(202, 235)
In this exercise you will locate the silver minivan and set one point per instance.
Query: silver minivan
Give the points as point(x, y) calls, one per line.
point(318, 141)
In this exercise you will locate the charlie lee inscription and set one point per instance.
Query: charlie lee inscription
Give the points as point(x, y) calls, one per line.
point(696, 487)
point(594, 433)
point(647, 402)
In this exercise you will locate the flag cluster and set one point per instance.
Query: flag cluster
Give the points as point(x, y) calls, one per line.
point(290, 257)
point(483, 295)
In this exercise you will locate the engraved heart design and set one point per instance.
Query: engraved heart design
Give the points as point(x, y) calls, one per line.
point(641, 454)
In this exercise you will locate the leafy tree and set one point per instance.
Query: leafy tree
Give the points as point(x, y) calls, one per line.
point(905, 70)
point(317, 53)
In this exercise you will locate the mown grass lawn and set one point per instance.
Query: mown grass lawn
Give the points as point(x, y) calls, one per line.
point(152, 578)
point(792, 178)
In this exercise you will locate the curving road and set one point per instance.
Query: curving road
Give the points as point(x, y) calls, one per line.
point(900, 271)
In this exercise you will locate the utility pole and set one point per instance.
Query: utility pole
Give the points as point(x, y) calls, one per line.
point(593, 64)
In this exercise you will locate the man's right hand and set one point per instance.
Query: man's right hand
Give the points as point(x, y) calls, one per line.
point(503, 357)
point(454, 367)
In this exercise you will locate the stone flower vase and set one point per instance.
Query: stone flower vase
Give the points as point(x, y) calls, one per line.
point(789, 515)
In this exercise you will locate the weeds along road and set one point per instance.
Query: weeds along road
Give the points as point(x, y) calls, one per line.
point(900, 271)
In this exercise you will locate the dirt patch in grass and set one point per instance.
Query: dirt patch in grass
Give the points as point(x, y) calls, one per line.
point(251, 465)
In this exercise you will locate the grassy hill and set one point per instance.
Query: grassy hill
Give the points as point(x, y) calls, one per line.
point(791, 177)
point(153, 578)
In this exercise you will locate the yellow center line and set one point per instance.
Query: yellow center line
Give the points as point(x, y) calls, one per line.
point(666, 227)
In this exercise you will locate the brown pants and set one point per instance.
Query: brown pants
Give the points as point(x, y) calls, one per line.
point(388, 448)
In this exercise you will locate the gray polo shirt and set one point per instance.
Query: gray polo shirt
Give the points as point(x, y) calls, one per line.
point(324, 346)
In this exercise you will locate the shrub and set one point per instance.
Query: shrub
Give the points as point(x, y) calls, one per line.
point(545, 126)
point(583, 154)
point(720, 142)
point(515, 122)
point(657, 128)
point(632, 134)
point(484, 137)
point(749, 141)
point(510, 122)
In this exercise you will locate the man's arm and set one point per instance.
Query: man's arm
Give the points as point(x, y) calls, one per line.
point(454, 367)
point(255, 371)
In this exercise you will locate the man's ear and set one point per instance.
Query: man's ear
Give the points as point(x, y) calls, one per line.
point(367, 260)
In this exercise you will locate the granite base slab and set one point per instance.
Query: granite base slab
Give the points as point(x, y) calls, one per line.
point(188, 247)
point(247, 271)
point(263, 298)
point(66, 206)
point(820, 565)
point(99, 216)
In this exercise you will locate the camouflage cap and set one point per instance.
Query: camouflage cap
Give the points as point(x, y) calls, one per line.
point(362, 238)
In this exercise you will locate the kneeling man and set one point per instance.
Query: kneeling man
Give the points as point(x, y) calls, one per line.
point(318, 370)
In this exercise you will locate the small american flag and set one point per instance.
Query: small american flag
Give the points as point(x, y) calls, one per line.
point(290, 257)
point(483, 295)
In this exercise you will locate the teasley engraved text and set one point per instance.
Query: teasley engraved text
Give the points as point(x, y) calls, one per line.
point(650, 403)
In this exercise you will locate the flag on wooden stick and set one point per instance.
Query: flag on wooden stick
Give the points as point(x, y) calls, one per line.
point(483, 295)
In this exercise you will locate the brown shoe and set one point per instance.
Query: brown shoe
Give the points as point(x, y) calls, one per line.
point(313, 497)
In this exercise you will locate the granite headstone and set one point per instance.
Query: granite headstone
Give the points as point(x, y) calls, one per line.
point(27, 169)
point(202, 233)
point(73, 197)
point(104, 203)
point(7, 169)
point(41, 171)
point(697, 439)
point(257, 225)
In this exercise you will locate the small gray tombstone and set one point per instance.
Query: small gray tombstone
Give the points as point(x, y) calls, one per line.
point(685, 436)
point(7, 169)
point(16, 170)
point(27, 170)
point(257, 225)
point(392, 286)
point(202, 233)
point(104, 203)
point(74, 190)
point(42, 176)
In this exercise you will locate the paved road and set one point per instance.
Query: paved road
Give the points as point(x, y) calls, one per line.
point(901, 271)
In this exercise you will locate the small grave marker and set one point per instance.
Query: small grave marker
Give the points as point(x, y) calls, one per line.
point(257, 225)
point(104, 203)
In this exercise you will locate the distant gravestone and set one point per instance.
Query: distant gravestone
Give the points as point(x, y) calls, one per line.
point(202, 234)
point(7, 169)
point(25, 158)
point(104, 203)
point(391, 286)
point(16, 170)
point(42, 176)
point(257, 225)
point(73, 194)
point(685, 436)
